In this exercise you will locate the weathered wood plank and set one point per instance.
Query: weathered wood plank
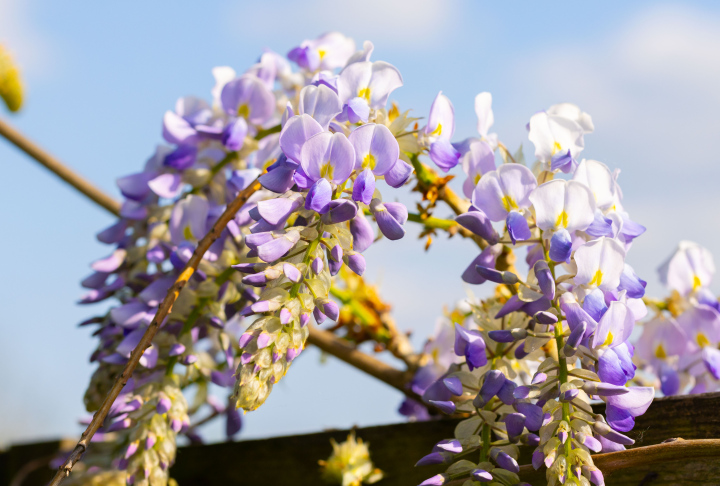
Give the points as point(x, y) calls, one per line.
point(395, 449)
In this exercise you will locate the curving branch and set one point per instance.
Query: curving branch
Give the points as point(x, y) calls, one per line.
point(58, 168)
point(658, 454)
point(326, 341)
point(162, 312)
point(330, 343)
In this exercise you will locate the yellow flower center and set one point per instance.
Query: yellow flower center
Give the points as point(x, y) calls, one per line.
point(702, 340)
point(696, 282)
point(437, 131)
point(327, 170)
point(369, 161)
point(477, 178)
point(243, 110)
point(609, 339)
point(509, 203)
point(556, 148)
point(660, 352)
point(364, 93)
point(562, 220)
point(597, 279)
point(321, 53)
point(187, 233)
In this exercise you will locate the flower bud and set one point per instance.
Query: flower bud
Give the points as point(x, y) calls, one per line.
point(507, 335)
point(497, 276)
point(545, 279)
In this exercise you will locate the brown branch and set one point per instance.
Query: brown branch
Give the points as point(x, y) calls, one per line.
point(162, 312)
point(673, 450)
point(331, 344)
point(58, 168)
point(326, 341)
point(678, 449)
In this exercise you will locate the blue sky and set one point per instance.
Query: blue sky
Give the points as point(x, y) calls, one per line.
point(99, 77)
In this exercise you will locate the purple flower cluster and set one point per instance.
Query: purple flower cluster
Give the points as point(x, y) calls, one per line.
point(680, 344)
point(565, 326)
point(321, 141)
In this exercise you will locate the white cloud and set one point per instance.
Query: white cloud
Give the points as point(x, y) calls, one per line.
point(651, 87)
point(401, 23)
point(30, 48)
point(654, 80)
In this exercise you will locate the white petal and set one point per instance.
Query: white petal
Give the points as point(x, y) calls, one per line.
point(690, 267)
point(619, 321)
point(222, 75)
point(488, 196)
point(298, 130)
point(385, 79)
point(441, 120)
point(599, 179)
point(483, 110)
point(573, 112)
point(353, 79)
point(320, 102)
point(517, 182)
point(579, 206)
point(600, 263)
point(549, 203)
point(336, 49)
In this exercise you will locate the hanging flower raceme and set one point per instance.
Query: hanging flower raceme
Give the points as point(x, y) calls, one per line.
point(321, 141)
point(521, 367)
point(680, 344)
point(579, 299)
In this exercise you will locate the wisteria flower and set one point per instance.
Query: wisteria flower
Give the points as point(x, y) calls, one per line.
point(600, 263)
point(690, 268)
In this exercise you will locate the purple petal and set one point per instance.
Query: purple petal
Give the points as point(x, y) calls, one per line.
point(517, 227)
point(447, 407)
point(478, 223)
point(248, 97)
point(277, 210)
point(233, 136)
point(291, 272)
point(319, 197)
point(364, 187)
point(560, 246)
point(398, 174)
point(110, 263)
point(515, 424)
point(339, 211)
point(233, 423)
point(444, 154)
point(356, 262)
point(166, 185)
point(533, 415)
point(481, 476)
point(362, 232)
point(177, 130)
point(296, 132)
point(389, 225)
point(279, 177)
point(113, 234)
point(182, 157)
point(272, 250)
point(135, 186)
point(486, 259)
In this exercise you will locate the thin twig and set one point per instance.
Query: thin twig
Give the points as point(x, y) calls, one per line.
point(162, 312)
point(675, 450)
point(330, 343)
point(58, 168)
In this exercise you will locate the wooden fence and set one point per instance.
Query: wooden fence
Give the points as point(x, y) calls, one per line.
point(395, 448)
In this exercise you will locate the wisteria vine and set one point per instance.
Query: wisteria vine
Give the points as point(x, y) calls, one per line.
point(521, 367)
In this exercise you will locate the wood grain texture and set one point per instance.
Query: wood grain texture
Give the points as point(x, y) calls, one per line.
point(396, 448)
